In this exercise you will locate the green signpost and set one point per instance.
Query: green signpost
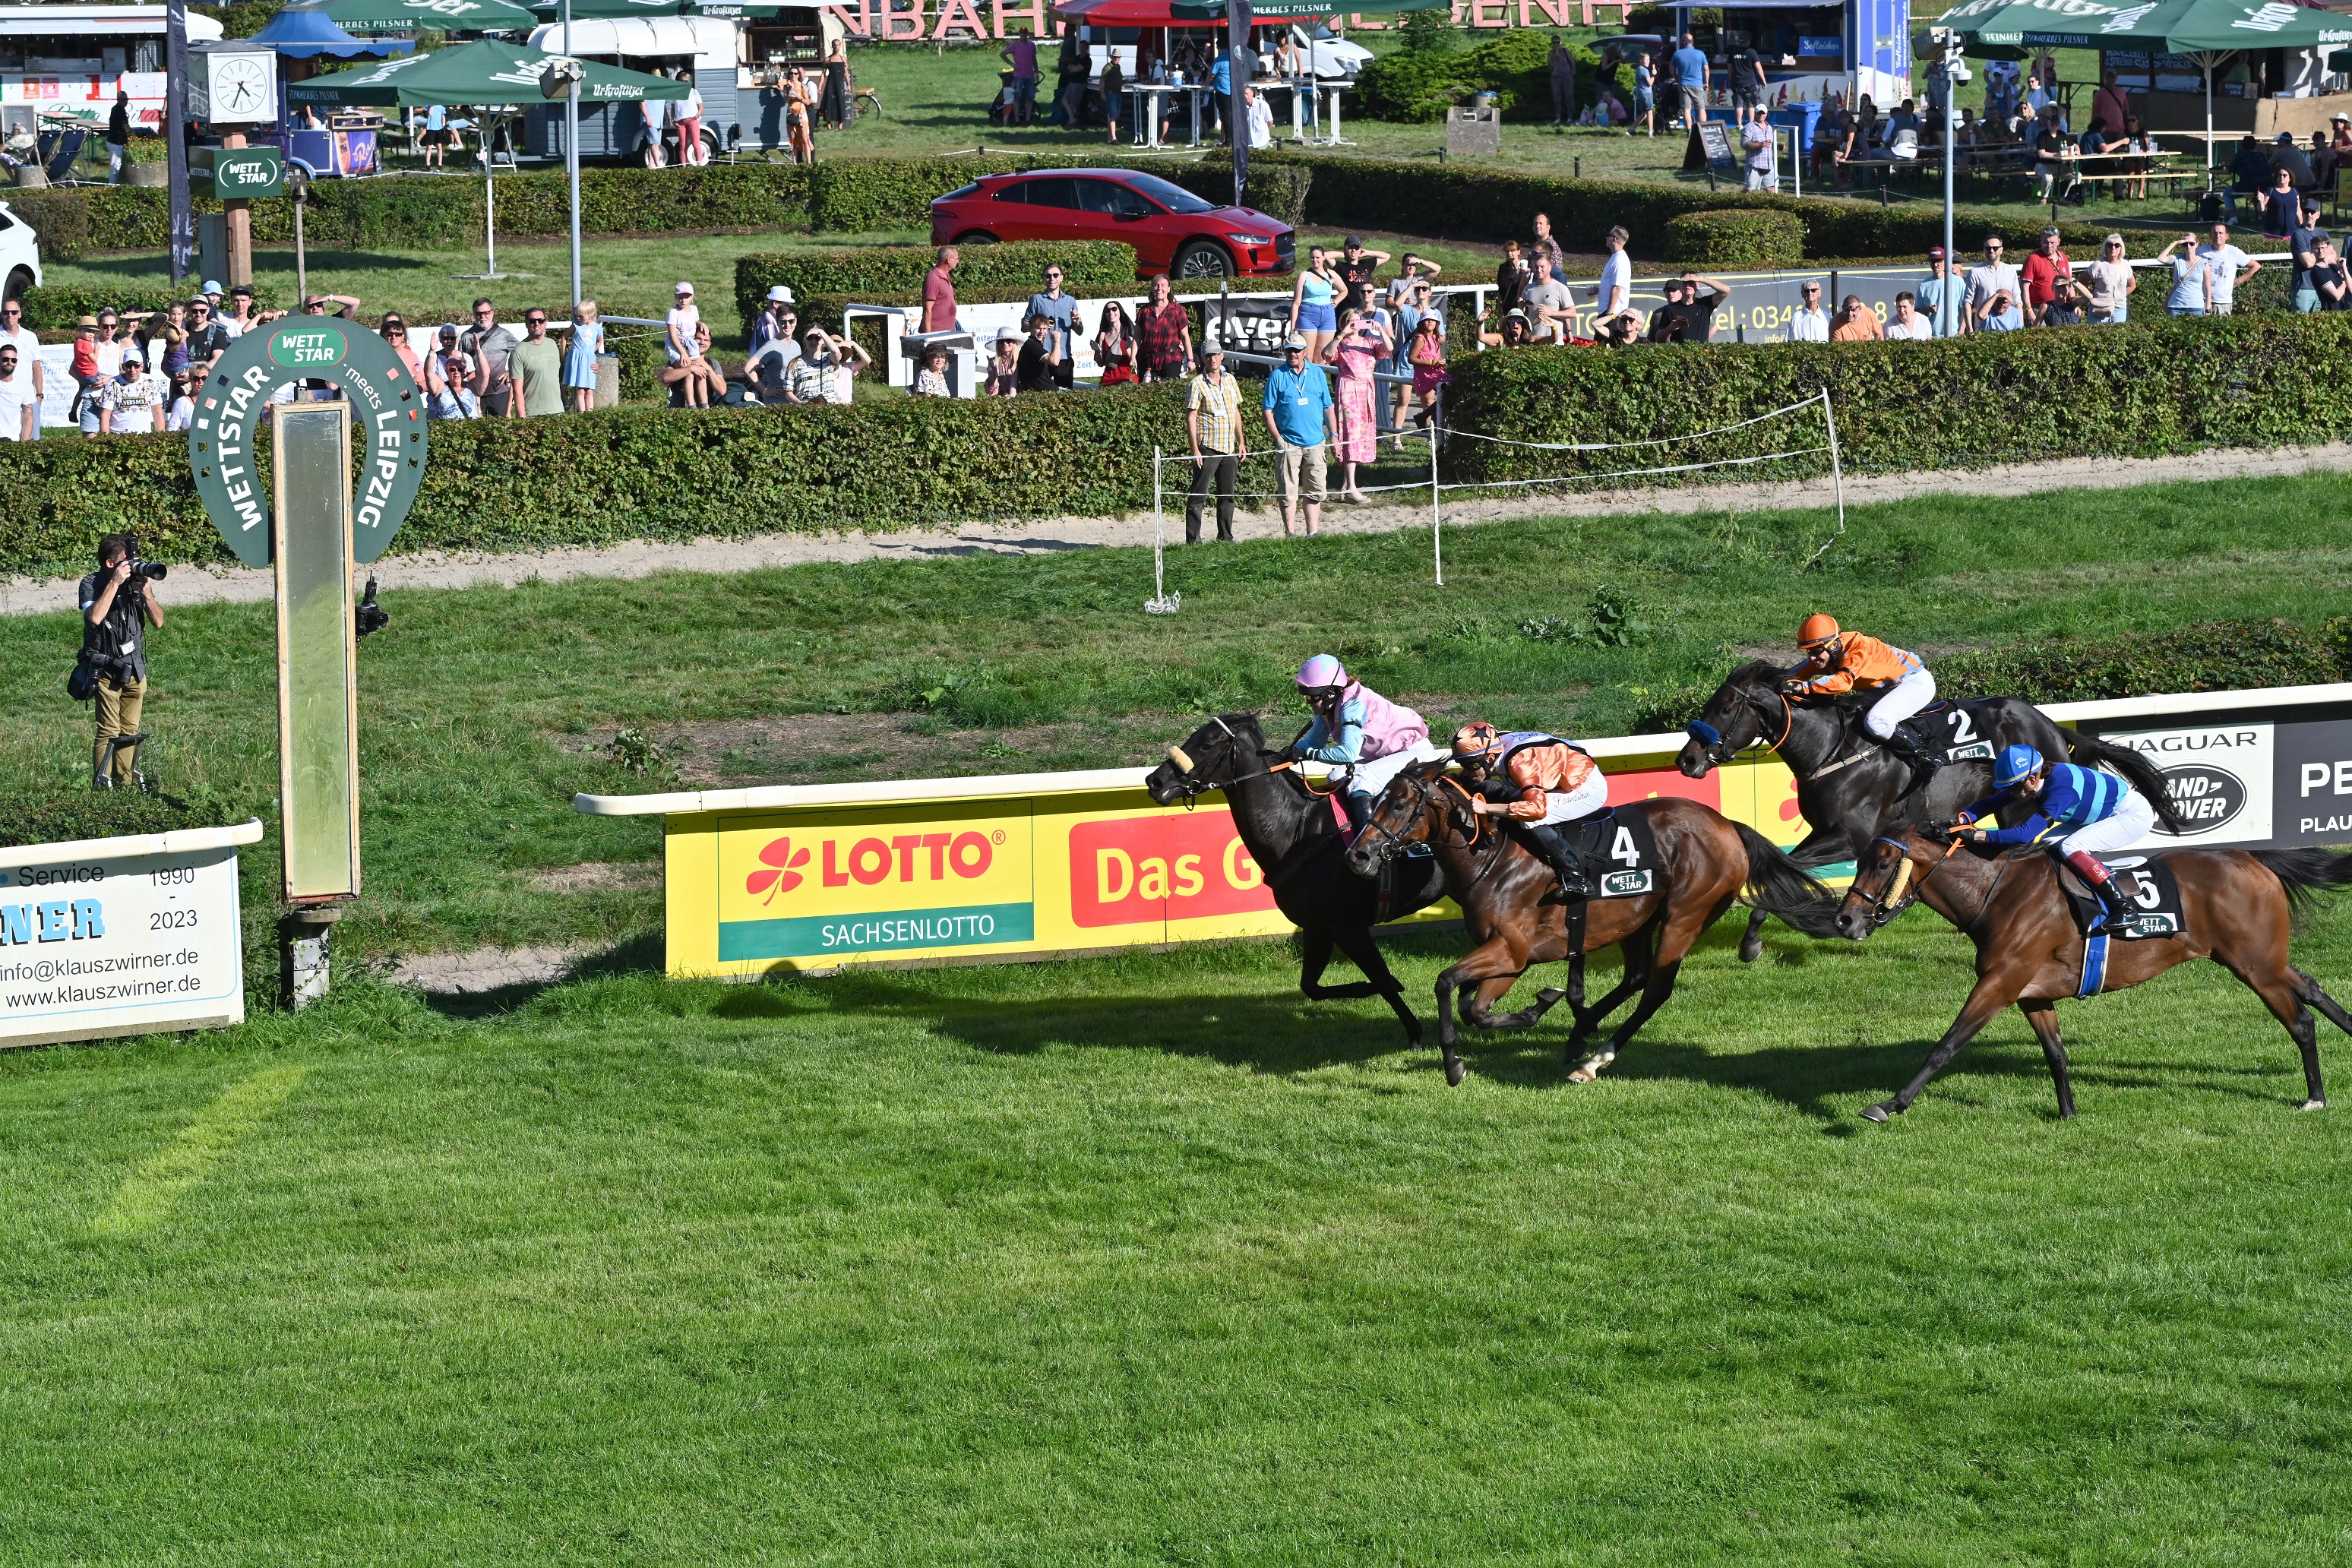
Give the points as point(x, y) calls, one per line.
point(242, 172)
point(316, 526)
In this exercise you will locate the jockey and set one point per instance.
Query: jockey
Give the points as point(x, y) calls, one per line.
point(1556, 783)
point(2084, 810)
point(1360, 730)
point(1838, 661)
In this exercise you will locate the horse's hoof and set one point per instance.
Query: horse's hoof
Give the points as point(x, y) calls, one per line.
point(1751, 948)
point(1877, 1113)
point(1455, 1073)
point(2313, 1105)
point(1590, 1068)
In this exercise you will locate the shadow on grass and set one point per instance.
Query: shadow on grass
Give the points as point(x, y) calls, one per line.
point(638, 955)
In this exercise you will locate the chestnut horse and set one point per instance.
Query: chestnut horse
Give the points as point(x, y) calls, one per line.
point(1707, 860)
point(2237, 907)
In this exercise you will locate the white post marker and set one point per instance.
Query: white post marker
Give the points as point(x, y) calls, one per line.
point(1161, 603)
point(1436, 519)
point(1837, 472)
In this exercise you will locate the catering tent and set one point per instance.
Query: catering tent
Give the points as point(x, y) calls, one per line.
point(306, 32)
point(1295, 10)
point(2208, 32)
point(440, 15)
point(485, 75)
point(609, 10)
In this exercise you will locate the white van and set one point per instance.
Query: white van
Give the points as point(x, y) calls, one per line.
point(20, 254)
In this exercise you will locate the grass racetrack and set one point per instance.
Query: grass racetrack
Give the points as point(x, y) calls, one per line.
point(1146, 1261)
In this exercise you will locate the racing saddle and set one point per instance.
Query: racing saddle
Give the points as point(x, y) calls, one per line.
point(2144, 885)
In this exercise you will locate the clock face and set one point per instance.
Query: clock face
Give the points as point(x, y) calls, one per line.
point(241, 88)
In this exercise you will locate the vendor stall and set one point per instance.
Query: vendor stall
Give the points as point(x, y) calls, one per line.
point(737, 62)
point(1810, 53)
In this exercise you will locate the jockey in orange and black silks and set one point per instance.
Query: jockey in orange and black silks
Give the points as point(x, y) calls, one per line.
point(1552, 783)
point(1838, 661)
point(1358, 729)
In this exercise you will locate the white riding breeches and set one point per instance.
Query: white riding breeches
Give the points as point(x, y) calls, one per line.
point(1371, 778)
point(1903, 699)
point(1568, 805)
point(2132, 820)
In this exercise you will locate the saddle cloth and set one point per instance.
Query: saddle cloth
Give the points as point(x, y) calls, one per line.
point(2148, 888)
point(1960, 731)
point(1619, 853)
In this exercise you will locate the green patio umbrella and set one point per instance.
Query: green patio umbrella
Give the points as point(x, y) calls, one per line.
point(485, 75)
point(2208, 32)
point(441, 16)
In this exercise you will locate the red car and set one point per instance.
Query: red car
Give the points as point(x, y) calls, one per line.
point(1172, 230)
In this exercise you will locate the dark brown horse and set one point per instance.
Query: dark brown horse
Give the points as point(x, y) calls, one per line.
point(1849, 784)
point(2237, 908)
point(1290, 831)
point(1707, 860)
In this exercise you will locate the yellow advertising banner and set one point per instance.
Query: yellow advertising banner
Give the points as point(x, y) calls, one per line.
point(966, 869)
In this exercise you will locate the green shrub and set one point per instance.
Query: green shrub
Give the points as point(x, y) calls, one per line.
point(1496, 204)
point(2216, 656)
point(822, 281)
point(2167, 387)
point(857, 195)
point(1276, 189)
point(1417, 85)
point(60, 217)
point(56, 307)
point(1756, 239)
point(647, 473)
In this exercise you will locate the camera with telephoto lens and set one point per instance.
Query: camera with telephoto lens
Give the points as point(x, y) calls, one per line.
point(142, 571)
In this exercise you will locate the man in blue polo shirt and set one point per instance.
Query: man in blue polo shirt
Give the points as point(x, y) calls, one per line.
point(1298, 411)
point(1690, 74)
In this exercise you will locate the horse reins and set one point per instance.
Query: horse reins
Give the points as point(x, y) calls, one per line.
point(1712, 737)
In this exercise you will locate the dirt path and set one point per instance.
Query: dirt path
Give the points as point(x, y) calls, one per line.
point(435, 569)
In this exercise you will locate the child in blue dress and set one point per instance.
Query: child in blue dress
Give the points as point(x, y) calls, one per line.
point(580, 356)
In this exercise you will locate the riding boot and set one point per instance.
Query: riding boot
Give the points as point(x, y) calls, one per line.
point(1359, 808)
point(1551, 847)
point(1907, 744)
point(2101, 881)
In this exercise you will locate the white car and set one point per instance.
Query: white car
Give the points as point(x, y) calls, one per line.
point(1334, 57)
point(20, 254)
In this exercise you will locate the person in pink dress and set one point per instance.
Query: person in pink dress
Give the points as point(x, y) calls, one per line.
point(1359, 346)
point(1427, 354)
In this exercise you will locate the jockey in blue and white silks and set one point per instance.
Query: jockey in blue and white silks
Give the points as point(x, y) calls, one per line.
point(2084, 812)
point(1358, 729)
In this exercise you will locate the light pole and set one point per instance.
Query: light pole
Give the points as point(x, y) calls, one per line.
point(1955, 73)
point(572, 158)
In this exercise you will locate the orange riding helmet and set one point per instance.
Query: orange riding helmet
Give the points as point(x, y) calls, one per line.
point(1476, 742)
point(1817, 629)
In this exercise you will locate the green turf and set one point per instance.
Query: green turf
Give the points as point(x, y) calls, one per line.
point(481, 710)
point(1146, 1261)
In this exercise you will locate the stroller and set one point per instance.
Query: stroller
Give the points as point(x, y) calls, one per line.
point(1005, 108)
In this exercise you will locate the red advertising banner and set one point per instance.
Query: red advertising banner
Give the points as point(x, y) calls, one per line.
point(1131, 871)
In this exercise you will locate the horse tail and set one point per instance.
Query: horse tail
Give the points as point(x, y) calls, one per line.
point(1777, 885)
point(2135, 770)
point(2306, 874)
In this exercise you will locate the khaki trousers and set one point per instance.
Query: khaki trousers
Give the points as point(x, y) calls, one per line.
point(1302, 464)
point(119, 707)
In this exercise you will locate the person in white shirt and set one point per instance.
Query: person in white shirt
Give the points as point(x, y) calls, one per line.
point(20, 403)
point(1761, 145)
point(1260, 118)
point(2229, 267)
point(133, 402)
point(1614, 297)
point(679, 325)
point(27, 345)
point(1908, 322)
point(183, 403)
point(2111, 284)
point(1811, 324)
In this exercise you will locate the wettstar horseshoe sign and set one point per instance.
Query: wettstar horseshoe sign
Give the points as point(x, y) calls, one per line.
point(384, 398)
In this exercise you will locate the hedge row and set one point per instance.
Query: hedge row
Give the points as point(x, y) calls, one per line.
point(2170, 386)
point(1757, 238)
point(1496, 204)
point(646, 473)
point(824, 282)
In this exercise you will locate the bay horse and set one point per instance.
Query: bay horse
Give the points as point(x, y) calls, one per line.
point(1707, 860)
point(1848, 785)
point(1290, 831)
point(2237, 906)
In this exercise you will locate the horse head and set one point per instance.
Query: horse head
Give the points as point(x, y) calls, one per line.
point(1419, 806)
point(1747, 709)
point(1888, 876)
point(1221, 752)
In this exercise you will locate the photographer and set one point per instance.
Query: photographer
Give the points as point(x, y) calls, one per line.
point(117, 606)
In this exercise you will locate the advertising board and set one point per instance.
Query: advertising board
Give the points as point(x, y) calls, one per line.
point(122, 936)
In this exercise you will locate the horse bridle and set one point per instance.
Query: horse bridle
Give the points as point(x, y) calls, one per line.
point(1192, 788)
point(1719, 750)
point(1391, 844)
point(1885, 911)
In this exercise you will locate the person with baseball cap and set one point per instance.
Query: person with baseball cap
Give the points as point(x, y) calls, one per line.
point(1299, 410)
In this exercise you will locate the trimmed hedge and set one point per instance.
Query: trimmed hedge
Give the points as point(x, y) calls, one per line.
point(824, 282)
point(647, 473)
point(1755, 239)
point(56, 309)
point(2170, 386)
point(1418, 85)
point(1496, 204)
point(92, 814)
point(2214, 655)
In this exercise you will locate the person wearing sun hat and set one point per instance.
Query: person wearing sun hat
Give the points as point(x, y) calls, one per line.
point(679, 324)
point(778, 320)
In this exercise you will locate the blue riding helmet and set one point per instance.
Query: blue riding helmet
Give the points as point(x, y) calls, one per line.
point(2017, 762)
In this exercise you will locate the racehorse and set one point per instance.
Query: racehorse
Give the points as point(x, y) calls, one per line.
point(1705, 861)
point(2237, 906)
point(1848, 785)
point(1290, 831)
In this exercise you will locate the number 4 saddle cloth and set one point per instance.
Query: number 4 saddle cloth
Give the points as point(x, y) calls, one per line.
point(1619, 853)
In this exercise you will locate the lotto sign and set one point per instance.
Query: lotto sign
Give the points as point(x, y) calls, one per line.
point(95, 943)
point(873, 883)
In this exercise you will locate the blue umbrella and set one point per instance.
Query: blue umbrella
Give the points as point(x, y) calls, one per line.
point(304, 32)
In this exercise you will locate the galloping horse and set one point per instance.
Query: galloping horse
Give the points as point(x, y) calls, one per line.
point(1848, 785)
point(1705, 861)
point(1290, 831)
point(2237, 908)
